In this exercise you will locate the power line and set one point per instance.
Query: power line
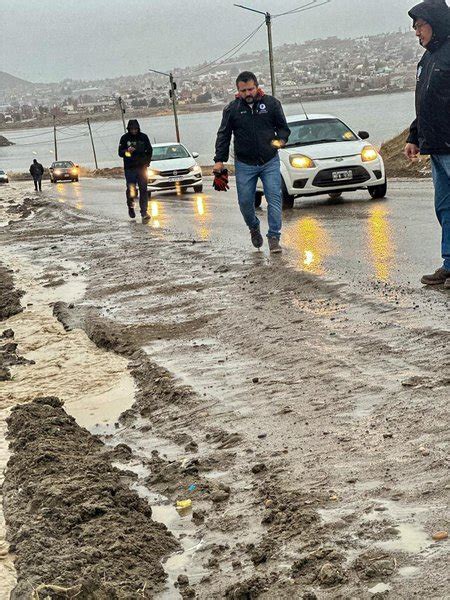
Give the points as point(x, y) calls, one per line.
point(227, 56)
point(303, 8)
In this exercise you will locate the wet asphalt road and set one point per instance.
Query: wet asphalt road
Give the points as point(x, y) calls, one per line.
point(356, 239)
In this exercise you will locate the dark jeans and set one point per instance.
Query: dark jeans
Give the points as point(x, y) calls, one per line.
point(441, 177)
point(38, 183)
point(137, 178)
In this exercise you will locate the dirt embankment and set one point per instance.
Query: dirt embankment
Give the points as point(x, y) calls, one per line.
point(5, 142)
point(397, 165)
point(77, 529)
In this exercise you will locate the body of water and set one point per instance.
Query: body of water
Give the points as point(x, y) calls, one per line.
point(384, 116)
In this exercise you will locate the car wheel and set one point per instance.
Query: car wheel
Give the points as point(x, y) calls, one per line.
point(198, 189)
point(258, 199)
point(378, 191)
point(75, 180)
point(288, 200)
point(335, 195)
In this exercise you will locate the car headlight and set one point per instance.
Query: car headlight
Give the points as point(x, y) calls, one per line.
point(369, 153)
point(57, 172)
point(300, 161)
point(195, 169)
point(74, 171)
point(153, 173)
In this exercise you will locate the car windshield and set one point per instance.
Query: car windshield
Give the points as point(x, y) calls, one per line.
point(2, 172)
point(319, 131)
point(169, 152)
point(63, 165)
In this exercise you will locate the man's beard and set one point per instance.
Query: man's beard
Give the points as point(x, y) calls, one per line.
point(249, 99)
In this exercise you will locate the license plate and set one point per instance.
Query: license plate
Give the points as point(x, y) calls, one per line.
point(342, 175)
point(172, 179)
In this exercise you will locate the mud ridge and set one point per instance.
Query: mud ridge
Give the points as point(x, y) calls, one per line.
point(72, 522)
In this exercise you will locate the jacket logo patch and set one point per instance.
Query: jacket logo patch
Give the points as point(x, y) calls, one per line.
point(419, 72)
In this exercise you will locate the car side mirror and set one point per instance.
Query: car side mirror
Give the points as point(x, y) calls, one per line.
point(364, 135)
point(195, 154)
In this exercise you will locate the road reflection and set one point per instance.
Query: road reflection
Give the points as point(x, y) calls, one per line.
point(380, 241)
point(157, 214)
point(202, 214)
point(311, 242)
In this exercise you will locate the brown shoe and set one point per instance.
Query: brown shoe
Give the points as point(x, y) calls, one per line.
point(146, 219)
point(257, 238)
point(274, 245)
point(439, 277)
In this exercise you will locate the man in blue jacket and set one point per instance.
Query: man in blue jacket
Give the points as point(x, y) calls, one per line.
point(430, 131)
point(136, 150)
point(259, 126)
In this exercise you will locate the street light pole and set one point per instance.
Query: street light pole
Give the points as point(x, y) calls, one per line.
point(268, 18)
point(173, 96)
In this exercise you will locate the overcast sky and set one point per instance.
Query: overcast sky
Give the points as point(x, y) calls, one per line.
point(49, 40)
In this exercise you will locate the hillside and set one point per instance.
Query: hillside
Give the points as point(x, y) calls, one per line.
point(10, 83)
point(397, 164)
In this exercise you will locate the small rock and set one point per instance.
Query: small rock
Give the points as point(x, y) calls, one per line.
point(222, 269)
point(183, 580)
point(309, 596)
point(388, 436)
point(259, 468)
point(8, 334)
point(219, 496)
point(255, 380)
point(261, 436)
point(424, 451)
point(440, 535)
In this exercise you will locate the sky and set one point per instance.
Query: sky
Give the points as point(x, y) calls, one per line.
point(50, 40)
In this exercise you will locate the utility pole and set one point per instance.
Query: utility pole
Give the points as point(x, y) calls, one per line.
point(268, 18)
point(173, 96)
point(271, 61)
point(54, 136)
point(122, 113)
point(92, 142)
point(310, 5)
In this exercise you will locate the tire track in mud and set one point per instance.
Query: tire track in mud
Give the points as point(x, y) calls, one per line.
point(293, 401)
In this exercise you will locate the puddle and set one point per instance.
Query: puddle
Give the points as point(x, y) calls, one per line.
point(180, 525)
point(408, 571)
point(411, 538)
point(379, 588)
point(96, 410)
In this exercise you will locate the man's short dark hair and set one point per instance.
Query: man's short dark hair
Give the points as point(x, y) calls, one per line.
point(246, 76)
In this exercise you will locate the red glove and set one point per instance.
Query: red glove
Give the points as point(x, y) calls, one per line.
point(220, 183)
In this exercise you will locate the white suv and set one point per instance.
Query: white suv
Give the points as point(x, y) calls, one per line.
point(324, 156)
point(173, 167)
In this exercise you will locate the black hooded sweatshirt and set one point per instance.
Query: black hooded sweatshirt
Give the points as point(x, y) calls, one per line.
point(142, 154)
point(431, 128)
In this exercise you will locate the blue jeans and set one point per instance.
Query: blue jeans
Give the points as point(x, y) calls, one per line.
point(441, 178)
point(246, 180)
point(137, 176)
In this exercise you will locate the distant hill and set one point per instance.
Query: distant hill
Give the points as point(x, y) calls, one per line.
point(9, 83)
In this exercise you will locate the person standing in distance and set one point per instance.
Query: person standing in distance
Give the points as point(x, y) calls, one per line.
point(259, 127)
point(37, 170)
point(136, 150)
point(430, 131)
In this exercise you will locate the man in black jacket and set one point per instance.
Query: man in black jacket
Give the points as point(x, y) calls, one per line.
point(37, 170)
point(136, 151)
point(259, 126)
point(430, 131)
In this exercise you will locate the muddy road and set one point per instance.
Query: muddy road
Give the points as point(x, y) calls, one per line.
point(296, 406)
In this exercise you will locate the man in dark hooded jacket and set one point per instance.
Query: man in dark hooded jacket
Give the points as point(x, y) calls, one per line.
point(430, 131)
point(37, 170)
point(136, 151)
